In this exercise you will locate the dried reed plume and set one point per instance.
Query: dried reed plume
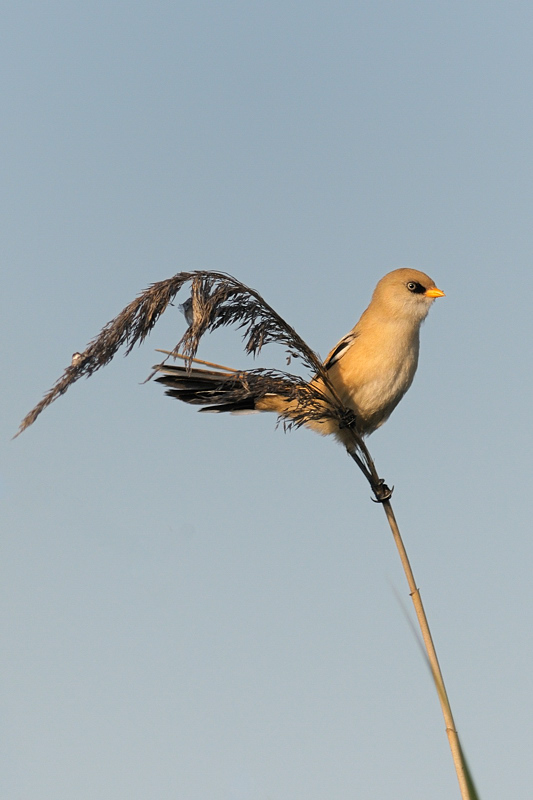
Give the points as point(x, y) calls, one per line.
point(219, 300)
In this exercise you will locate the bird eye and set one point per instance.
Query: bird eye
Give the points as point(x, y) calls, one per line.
point(411, 286)
point(415, 287)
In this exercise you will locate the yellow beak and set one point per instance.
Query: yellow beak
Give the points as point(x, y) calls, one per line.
point(434, 292)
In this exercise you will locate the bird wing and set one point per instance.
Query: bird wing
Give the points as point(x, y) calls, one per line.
point(339, 349)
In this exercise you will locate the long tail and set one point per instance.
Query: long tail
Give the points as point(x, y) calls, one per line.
point(225, 390)
point(218, 391)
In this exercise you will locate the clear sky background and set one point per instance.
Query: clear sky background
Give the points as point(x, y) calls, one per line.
point(203, 607)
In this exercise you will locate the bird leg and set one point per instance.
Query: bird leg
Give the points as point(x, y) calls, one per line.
point(381, 491)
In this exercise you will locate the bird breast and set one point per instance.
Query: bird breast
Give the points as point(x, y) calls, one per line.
point(371, 380)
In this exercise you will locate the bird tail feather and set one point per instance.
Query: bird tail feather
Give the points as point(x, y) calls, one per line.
point(217, 391)
point(226, 390)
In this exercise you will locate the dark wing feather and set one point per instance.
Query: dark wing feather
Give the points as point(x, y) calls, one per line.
point(339, 349)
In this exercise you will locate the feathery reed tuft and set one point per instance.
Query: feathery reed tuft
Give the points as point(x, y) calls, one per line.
point(218, 300)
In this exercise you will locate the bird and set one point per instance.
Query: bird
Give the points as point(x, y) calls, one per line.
point(370, 369)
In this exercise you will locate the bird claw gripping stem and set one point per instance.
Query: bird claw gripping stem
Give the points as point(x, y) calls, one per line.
point(382, 492)
point(347, 419)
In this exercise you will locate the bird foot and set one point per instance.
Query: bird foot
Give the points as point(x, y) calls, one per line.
point(382, 492)
point(348, 419)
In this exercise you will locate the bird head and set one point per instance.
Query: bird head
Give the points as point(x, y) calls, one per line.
point(406, 294)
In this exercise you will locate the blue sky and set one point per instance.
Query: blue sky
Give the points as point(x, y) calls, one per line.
point(198, 606)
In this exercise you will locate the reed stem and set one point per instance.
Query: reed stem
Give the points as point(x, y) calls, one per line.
point(383, 496)
point(414, 591)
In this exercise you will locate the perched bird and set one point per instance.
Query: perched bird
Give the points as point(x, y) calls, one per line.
point(186, 310)
point(370, 369)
